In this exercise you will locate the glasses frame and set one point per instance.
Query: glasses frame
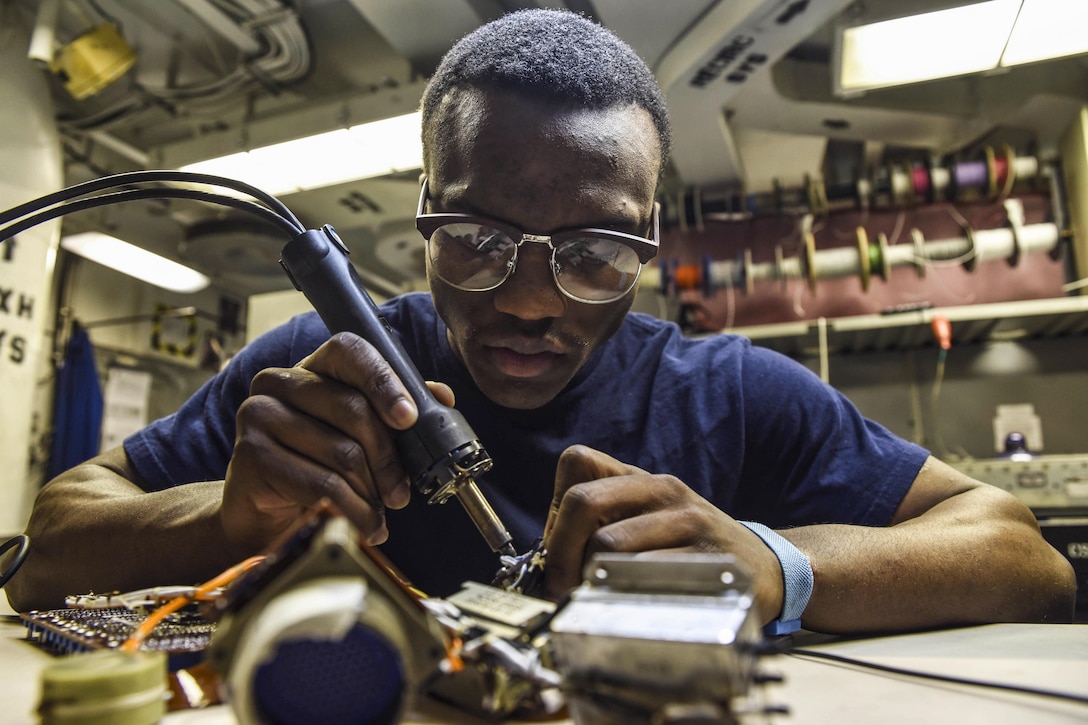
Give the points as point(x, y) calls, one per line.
point(646, 249)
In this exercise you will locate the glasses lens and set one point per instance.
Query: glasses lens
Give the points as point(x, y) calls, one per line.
point(597, 269)
point(471, 256)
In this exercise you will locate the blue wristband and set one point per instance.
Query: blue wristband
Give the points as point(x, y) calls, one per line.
point(796, 575)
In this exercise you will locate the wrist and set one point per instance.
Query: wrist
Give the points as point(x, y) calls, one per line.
point(797, 579)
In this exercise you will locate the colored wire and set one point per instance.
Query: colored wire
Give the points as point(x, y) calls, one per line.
point(202, 592)
point(970, 174)
point(942, 332)
point(21, 544)
point(1070, 696)
point(938, 376)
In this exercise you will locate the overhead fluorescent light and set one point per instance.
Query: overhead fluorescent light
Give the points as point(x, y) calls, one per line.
point(1047, 29)
point(136, 262)
point(368, 150)
point(957, 41)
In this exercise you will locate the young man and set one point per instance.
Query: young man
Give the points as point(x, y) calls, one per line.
point(609, 431)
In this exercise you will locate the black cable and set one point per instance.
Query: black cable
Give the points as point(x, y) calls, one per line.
point(143, 177)
point(22, 541)
point(1069, 696)
point(136, 194)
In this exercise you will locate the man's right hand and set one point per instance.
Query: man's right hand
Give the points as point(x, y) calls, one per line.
point(322, 429)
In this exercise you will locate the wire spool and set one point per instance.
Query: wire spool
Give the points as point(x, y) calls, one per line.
point(687, 277)
point(972, 249)
point(105, 686)
point(919, 177)
point(919, 243)
point(878, 256)
point(1024, 167)
point(970, 175)
point(817, 195)
point(864, 192)
point(1014, 213)
point(902, 186)
point(1017, 246)
point(940, 179)
point(864, 261)
point(704, 272)
point(992, 172)
point(1006, 165)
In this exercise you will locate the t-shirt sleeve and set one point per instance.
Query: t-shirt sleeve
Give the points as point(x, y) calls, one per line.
point(196, 442)
point(822, 461)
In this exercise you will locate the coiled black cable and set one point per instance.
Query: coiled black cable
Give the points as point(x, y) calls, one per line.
point(21, 544)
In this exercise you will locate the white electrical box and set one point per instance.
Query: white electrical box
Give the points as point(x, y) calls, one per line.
point(1047, 484)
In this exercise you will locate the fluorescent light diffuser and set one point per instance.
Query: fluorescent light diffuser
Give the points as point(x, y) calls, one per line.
point(1048, 29)
point(360, 152)
point(135, 262)
point(940, 44)
point(967, 39)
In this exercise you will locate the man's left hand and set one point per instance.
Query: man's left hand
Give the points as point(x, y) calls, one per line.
point(604, 505)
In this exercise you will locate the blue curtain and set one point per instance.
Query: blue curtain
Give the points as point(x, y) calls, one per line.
point(77, 407)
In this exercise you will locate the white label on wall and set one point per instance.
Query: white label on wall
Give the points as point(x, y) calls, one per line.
point(124, 405)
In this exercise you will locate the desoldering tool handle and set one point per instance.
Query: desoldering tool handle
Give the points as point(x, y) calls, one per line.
point(942, 331)
point(441, 444)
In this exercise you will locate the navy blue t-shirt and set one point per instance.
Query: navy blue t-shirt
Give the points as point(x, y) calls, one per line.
point(751, 430)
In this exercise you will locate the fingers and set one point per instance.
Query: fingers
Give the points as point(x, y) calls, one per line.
point(579, 464)
point(593, 491)
point(287, 463)
point(353, 361)
point(442, 393)
point(323, 429)
point(331, 424)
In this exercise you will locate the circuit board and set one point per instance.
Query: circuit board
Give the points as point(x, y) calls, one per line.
point(68, 631)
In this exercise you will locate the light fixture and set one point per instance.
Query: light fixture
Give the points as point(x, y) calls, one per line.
point(1047, 29)
point(368, 150)
point(956, 41)
point(136, 262)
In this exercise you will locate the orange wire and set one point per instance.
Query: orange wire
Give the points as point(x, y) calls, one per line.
point(146, 627)
point(453, 654)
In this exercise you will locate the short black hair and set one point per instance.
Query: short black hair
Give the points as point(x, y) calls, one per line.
point(548, 53)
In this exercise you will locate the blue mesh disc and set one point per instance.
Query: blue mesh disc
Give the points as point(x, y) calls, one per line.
point(355, 681)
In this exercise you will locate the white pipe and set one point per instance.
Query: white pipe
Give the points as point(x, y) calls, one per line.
point(43, 39)
point(222, 23)
point(114, 144)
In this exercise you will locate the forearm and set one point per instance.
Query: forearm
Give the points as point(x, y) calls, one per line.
point(976, 557)
point(94, 530)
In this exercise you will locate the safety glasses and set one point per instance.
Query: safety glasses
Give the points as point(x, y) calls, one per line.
point(476, 254)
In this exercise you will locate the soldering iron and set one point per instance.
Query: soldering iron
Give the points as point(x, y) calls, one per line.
point(440, 453)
